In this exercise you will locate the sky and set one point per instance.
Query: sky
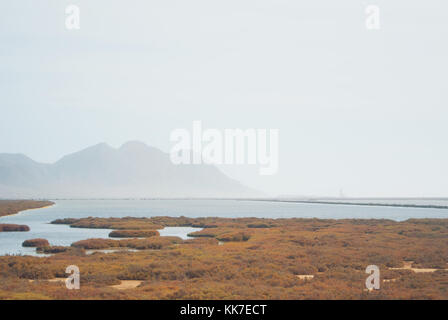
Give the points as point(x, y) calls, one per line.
point(360, 113)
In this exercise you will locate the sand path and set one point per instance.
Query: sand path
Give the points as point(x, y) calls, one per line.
point(127, 284)
point(407, 265)
point(305, 276)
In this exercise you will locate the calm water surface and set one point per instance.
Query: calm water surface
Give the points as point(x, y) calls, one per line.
point(39, 219)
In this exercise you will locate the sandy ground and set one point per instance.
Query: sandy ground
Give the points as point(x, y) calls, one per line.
point(124, 285)
point(305, 276)
point(51, 280)
point(407, 265)
point(127, 284)
point(92, 251)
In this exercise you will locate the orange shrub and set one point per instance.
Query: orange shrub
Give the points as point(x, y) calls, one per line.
point(13, 228)
point(36, 243)
point(133, 233)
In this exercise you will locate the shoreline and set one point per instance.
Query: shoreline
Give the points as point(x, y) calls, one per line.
point(323, 201)
point(370, 204)
point(13, 207)
point(47, 206)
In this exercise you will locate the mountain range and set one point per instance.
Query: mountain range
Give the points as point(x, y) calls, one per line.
point(134, 170)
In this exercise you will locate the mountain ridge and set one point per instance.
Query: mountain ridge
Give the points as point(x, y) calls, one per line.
point(132, 170)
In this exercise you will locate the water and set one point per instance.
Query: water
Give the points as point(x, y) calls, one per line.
point(181, 232)
point(39, 219)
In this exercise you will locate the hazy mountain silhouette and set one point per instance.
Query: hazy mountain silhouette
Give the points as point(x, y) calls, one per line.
point(100, 171)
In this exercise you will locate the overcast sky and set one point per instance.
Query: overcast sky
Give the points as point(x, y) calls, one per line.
point(362, 111)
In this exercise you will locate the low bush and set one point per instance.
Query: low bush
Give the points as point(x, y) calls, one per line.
point(36, 243)
point(96, 244)
point(14, 228)
point(139, 244)
point(234, 236)
point(133, 233)
point(52, 249)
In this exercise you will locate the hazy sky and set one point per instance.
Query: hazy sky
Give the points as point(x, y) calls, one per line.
point(359, 110)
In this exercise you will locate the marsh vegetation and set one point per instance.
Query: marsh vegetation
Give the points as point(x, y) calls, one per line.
point(258, 259)
point(9, 207)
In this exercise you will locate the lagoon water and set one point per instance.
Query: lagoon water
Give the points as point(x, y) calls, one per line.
point(39, 219)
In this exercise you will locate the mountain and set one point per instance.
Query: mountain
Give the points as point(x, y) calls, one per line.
point(134, 170)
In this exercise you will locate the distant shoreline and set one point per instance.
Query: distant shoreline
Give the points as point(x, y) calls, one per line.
point(371, 204)
point(335, 201)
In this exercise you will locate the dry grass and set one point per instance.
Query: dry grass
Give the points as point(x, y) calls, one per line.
point(275, 262)
point(9, 207)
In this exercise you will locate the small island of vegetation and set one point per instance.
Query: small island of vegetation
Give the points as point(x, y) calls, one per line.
point(38, 243)
point(13, 228)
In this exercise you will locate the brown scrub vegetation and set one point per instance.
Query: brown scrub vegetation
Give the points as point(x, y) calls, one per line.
point(9, 207)
point(258, 259)
point(110, 223)
point(14, 228)
point(36, 243)
point(133, 233)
